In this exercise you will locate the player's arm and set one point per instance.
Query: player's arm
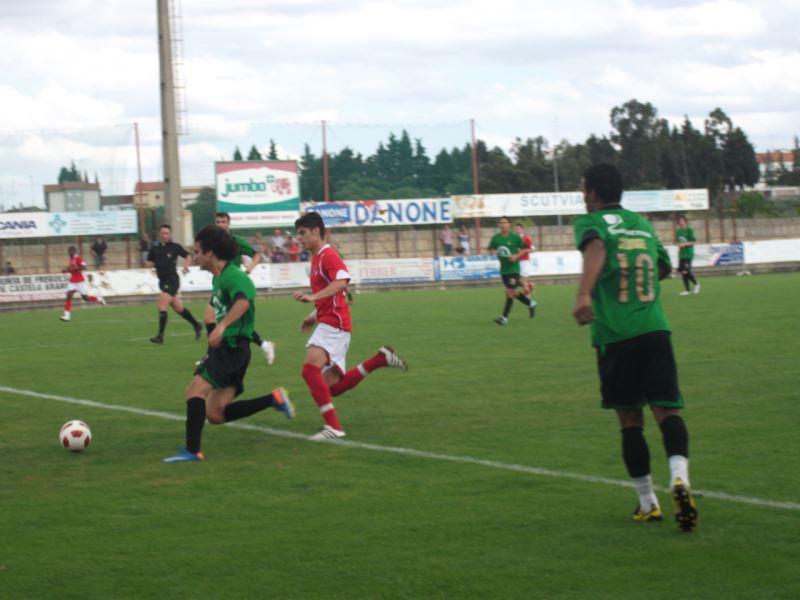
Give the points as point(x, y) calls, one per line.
point(664, 263)
point(333, 288)
point(187, 259)
point(240, 306)
point(594, 255)
point(255, 258)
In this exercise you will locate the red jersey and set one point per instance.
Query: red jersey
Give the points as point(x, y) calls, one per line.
point(526, 239)
point(75, 269)
point(327, 266)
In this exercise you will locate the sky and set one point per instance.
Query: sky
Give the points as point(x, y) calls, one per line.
point(76, 74)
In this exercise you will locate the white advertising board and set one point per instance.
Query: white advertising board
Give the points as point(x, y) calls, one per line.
point(42, 224)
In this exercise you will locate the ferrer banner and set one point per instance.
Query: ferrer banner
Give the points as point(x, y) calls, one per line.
point(377, 213)
point(258, 193)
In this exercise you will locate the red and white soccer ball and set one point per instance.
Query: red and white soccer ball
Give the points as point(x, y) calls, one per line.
point(75, 436)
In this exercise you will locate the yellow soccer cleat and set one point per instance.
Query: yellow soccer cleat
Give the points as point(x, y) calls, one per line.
point(648, 516)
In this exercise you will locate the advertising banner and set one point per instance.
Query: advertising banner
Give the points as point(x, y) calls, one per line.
point(382, 213)
point(391, 270)
point(24, 288)
point(571, 203)
point(768, 251)
point(455, 268)
point(258, 193)
point(43, 224)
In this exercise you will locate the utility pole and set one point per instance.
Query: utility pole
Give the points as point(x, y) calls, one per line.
point(325, 177)
point(475, 186)
point(169, 126)
point(139, 198)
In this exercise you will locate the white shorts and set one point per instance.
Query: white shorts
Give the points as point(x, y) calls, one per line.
point(79, 287)
point(526, 268)
point(335, 342)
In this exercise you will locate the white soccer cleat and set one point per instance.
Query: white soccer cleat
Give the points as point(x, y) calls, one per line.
point(685, 293)
point(101, 300)
point(65, 317)
point(327, 433)
point(268, 348)
point(392, 358)
point(696, 289)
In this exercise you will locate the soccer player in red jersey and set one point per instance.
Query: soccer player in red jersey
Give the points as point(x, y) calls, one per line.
point(77, 283)
point(525, 264)
point(324, 367)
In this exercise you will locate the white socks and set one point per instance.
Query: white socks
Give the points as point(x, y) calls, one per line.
point(679, 469)
point(644, 487)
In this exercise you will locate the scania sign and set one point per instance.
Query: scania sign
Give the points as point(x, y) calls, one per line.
point(8, 224)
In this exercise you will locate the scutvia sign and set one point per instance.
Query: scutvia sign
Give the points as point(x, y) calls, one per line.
point(377, 213)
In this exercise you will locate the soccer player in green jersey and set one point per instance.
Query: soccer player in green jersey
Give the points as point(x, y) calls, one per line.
point(619, 295)
point(686, 241)
point(219, 378)
point(509, 247)
point(248, 258)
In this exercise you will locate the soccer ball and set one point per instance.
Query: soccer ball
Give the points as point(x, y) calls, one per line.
point(75, 436)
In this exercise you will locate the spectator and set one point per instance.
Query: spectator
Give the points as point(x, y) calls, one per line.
point(144, 249)
point(463, 240)
point(446, 237)
point(9, 269)
point(278, 243)
point(294, 250)
point(98, 250)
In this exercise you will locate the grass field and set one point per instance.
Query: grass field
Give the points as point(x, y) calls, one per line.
point(469, 476)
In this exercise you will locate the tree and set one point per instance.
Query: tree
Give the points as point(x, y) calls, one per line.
point(237, 154)
point(638, 133)
point(273, 151)
point(739, 159)
point(254, 154)
point(203, 208)
point(70, 173)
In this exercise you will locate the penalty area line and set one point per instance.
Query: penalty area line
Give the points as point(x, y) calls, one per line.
point(453, 458)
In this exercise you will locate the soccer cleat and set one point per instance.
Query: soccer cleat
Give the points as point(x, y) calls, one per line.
point(648, 516)
point(327, 433)
point(268, 348)
point(198, 331)
point(65, 317)
point(393, 359)
point(501, 320)
point(101, 300)
point(685, 507)
point(685, 293)
point(282, 402)
point(157, 339)
point(532, 308)
point(184, 455)
point(696, 289)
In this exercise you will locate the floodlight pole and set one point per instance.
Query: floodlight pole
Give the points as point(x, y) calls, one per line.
point(475, 186)
point(139, 191)
point(325, 182)
point(169, 127)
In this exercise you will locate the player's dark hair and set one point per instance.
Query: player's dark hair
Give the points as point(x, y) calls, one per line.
point(167, 225)
point(683, 217)
point(223, 215)
point(221, 243)
point(605, 180)
point(311, 220)
point(504, 217)
point(73, 248)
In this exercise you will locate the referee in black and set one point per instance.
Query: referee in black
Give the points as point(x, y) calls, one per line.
point(163, 256)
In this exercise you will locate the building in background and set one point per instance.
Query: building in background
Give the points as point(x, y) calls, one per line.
point(72, 196)
point(152, 193)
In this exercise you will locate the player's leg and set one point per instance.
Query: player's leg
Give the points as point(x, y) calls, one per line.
point(317, 358)
point(531, 304)
point(384, 357)
point(683, 269)
point(510, 293)
point(163, 302)
point(665, 400)
point(186, 314)
point(692, 278)
point(196, 394)
point(68, 305)
point(620, 387)
point(267, 347)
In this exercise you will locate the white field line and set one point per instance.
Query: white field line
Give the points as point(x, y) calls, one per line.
point(469, 460)
point(17, 348)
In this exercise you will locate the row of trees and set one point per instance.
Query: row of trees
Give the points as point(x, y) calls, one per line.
point(650, 153)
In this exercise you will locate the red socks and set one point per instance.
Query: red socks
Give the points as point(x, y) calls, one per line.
point(67, 304)
point(321, 394)
point(355, 376)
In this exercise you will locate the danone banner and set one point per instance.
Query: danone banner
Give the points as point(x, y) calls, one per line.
point(44, 224)
point(382, 213)
point(258, 193)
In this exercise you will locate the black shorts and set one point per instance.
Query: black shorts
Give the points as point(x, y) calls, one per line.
point(684, 265)
point(511, 280)
point(226, 366)
point(639, 371)
point(170, 285)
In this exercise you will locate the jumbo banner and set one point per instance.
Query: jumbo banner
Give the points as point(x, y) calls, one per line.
point(258, 193)
point(382, 213)
point(55, 224)
point(571, 203)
